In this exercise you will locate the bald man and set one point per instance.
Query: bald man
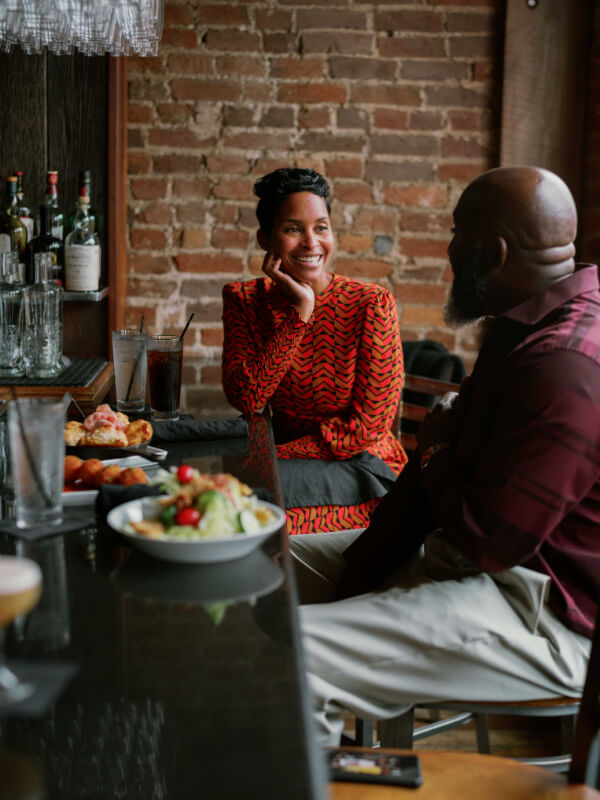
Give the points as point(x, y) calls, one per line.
point(479, 575)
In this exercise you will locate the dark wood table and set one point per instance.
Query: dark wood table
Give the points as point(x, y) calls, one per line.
point(190, 679)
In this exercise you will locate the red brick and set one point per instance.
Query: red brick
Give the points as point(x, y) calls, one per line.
point(390, 118)
point(133, 315)
point(307, 18)
point(189, 189)
point(373, 221)
point(483, 21)
point(202, 288)
point(191, 89)
point(148, 188)
point(172, 137)
point(421, 21)
point(138, 163)
point(385, 95)
point(144, 264)
point(241, 65)
point(311, 93)
point(222, 14)
point(227, 164)
point(174, 37)
point(344, 167)
point(265, 165)
point(278, 117)
point(211, 374)
point(350, 243)
point(232, 40)
point(155, 214)
point(257, 141)
point(426, 293)
point(353, 192)
point(135, 138)
point(421, 272)
point(212, 337)
point(338, 42)
point(423, 196)
point(464, 173)
point(405, 145)
point(364, 268)
point(201, 262)
point(474, 3)
point(425, 121)
point(189, 63)
point(175, 113)
point(193, 238)
point(191, 213)
point(144, 65)
point(435, 70)
point(455, 97)
point(178, 15)
point(316, 142)
point(399, 171)
point(472, 46)
point(443, 337)
point(292, 68)
point(426, 222)
point(273, 20)
point(463, 148)
point(145, 89)
point(230, 238)
point(150, 287)
point(279, 43)
point(411, 47)
point(147, 239)
point(421, 315)
point(238, 116)
point(259, 92)
point(175, 163)
point(483, 71)
point(314, 117)
point(139, 114)
point(226, 213)
point(230, 189)
point(464, 120)
point(362, 68)
point(424, 248)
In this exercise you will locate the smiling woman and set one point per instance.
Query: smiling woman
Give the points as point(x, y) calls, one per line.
point(323, 351)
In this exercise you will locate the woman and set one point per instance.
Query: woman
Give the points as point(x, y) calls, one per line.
point(322, 350)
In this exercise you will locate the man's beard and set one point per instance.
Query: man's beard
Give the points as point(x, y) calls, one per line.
point(468, 292)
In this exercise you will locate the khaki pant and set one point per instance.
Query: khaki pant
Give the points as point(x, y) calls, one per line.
point(437, 630)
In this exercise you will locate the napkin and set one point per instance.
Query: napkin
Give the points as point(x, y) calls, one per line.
point(312, 482)
point(185, 430)
point(110, 495)
point(72, 521)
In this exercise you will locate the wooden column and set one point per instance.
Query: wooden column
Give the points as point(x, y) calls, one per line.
point(117, 191)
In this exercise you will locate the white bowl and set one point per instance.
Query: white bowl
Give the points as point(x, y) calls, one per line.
point(190, 551)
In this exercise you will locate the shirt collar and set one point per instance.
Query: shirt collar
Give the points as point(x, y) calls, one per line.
point(533, 310)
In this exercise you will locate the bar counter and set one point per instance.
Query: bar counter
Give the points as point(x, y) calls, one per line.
point(189, 680)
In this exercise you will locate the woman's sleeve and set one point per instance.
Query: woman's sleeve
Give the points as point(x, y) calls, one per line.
point(376, 394)
point(252, 371)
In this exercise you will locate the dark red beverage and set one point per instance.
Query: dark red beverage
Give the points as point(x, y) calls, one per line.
point(164, 376)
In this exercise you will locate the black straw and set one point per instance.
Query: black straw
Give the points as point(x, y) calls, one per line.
point(28, 453)
point(136, 362)
point(187, 325)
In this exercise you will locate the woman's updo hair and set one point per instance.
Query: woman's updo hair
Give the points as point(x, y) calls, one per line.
point(272, 189)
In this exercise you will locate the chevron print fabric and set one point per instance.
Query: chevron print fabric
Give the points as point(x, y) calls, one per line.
point(333, 383)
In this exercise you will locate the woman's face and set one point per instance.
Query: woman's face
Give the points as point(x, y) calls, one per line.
point(302, 237)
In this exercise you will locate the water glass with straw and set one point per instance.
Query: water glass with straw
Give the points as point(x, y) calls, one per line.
point(129, 356)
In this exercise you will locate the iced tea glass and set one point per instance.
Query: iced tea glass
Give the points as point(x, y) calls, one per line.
point(165, 355)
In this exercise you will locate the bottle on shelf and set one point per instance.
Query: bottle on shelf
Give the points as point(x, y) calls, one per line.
point(46, 243)
point(51, 200)
point(23, 210)
point(43, 322)
point(82, 252)
point(13, 233)
point(85, 190)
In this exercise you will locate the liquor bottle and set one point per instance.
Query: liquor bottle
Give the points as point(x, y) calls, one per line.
point(46, 243)
point(58, 218)
point(11, 225)
point(85, 190)
point(23, 210)
point(43, 322)
point(82, 253)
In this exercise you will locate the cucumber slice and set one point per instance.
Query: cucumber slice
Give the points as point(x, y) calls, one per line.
point(248, 522)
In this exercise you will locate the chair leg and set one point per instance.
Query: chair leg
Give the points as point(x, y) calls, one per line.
point(567, 732)
point(364, 732)
point(483, 733)
point(397, 732)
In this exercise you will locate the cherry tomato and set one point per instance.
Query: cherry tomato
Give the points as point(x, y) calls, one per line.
point(185, 473)
point(187, 516)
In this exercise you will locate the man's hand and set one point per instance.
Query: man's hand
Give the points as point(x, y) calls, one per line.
point(440, 423)
point(300, 293)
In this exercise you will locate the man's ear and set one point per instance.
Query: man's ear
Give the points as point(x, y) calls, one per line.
point(261, 238)
point(498, 255)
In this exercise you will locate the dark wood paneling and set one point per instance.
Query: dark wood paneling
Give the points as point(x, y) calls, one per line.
point(23, 122)
point(545, 86)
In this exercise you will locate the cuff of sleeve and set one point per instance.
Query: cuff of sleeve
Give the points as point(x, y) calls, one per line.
point(431, 452)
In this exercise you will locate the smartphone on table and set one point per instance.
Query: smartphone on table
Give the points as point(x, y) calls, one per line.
point(374, 766)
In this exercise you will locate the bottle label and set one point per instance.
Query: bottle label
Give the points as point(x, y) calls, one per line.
point(82, 267)
point(28, 222)
point(57, 230)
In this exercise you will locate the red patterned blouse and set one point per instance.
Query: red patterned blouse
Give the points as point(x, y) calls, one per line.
point(333, 383)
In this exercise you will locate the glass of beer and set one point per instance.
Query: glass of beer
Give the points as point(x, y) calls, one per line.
point(165, 354)
point(20, 589)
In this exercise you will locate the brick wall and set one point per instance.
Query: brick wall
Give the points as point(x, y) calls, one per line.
point(397, 104)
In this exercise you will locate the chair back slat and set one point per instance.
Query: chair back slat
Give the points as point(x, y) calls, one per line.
point(410, 414)
point(585, 766)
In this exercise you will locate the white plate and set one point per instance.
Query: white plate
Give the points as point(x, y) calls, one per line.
point(87, 497)
point(191, 551)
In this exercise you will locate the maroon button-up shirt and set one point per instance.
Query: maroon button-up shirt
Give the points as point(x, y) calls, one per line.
point(521, 486)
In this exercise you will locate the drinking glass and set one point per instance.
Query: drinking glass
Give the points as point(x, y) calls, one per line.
point(165, 354)
point(20, 589)
point(129, 356)
point(37, 450)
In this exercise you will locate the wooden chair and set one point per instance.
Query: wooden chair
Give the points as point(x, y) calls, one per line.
point(411, 412)
point(449, 775)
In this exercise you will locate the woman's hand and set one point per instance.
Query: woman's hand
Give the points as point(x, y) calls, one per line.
point(300, 293)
